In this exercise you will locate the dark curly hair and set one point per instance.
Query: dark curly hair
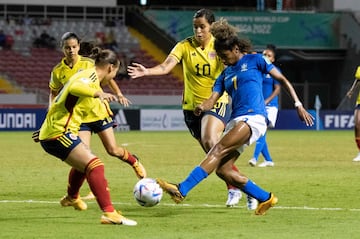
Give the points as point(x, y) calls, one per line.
point(226, 37)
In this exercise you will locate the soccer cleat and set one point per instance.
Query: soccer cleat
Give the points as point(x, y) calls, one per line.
point(264, 206)
point(266, 164)
point(357, 158)
point(172, 190)
point(77, 203)
point(234, 196)
point(251, 203)
point(252, 162)
point(139, 168)
point(116, 218)
point(90, 196)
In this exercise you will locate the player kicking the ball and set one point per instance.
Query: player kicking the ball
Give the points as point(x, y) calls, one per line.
point(242, 80)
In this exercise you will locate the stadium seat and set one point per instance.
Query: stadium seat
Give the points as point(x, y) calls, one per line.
point(34, 70)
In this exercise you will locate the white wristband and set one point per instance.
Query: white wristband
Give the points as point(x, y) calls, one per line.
point(297, 104)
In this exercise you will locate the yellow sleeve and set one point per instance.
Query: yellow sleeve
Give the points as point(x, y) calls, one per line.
point(357, 73)
point(178, 51)
point(54, 83)
point(81, 88)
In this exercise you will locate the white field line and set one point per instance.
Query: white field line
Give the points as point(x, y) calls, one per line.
point(192, 205)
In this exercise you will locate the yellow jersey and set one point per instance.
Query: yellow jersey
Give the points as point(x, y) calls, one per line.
point(61, 73)
point(73, 103)
point(201, 67)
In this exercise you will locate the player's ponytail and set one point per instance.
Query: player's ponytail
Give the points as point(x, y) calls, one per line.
point(104, 57)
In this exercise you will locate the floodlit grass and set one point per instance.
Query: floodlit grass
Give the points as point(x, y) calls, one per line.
point(317, 184)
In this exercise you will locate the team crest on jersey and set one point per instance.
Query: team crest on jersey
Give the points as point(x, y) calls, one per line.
point(244, 67)
point(193, 54)
point(212, 55)
point(72, 136)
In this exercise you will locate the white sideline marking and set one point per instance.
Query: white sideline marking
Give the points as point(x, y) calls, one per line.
point(193, 205)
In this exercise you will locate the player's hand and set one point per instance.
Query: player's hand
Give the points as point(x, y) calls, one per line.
point(305, 116)
point(198, 110)
point(35, 136)
point(124, 101)
point(136, 70)
point(107, 96)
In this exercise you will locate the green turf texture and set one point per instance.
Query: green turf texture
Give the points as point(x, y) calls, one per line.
point(317, 184)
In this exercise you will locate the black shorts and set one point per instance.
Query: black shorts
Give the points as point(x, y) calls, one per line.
point(61, 146)
point(98, 126)
point(193, 122)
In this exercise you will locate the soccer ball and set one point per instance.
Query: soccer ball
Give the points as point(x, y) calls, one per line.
point(147, 192)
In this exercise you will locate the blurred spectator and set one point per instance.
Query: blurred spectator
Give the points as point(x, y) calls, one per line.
point(100, 38)
point(9, 41)
point(6, 40)
point(110, 23)
point(2, 38)
point(110, 42)
point(45, 40)
point(86, 48)
point(260, 5)
point(123, 74)
point(27, 21)
point(288, 5)
point(281, 5)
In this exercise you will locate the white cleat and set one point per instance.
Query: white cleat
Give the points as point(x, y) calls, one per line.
point(357, 158)
point(252, 162)
point(251, 203)
point(234, 196)
point(266, 164)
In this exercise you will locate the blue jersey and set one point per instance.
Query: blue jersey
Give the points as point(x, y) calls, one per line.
point(243, 82)
point(268, 88)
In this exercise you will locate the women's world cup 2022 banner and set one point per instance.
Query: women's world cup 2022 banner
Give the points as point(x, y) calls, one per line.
point(287, 29)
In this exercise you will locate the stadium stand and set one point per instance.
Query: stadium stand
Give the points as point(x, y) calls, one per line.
point(30, 67)
point(323, 71)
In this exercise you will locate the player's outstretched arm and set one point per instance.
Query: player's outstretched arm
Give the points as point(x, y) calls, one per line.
point(136, 70)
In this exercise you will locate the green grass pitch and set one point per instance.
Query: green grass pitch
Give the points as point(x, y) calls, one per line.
point(317, 184)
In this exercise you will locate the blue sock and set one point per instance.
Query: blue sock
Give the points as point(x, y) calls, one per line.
point(255, 191)
point(265, 152)
point(194, 178)
point(259, 146)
